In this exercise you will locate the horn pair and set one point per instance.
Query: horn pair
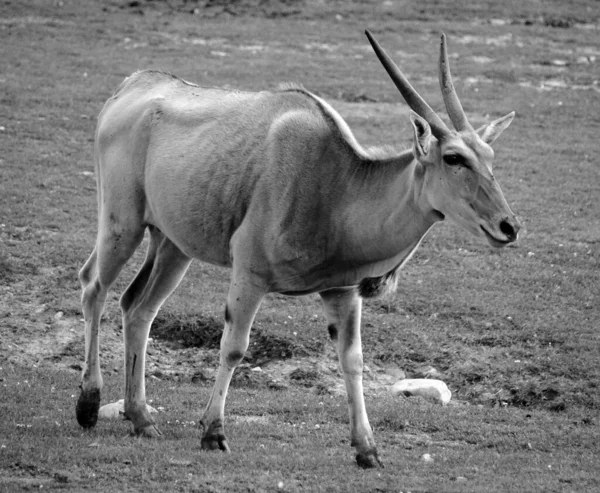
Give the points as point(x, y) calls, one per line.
point(416, 102)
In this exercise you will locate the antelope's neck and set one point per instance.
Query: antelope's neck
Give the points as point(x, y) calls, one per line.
point(387, 214)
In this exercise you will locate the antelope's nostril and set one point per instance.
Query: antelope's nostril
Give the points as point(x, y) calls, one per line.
point(509, 230)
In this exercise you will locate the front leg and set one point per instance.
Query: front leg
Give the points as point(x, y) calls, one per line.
point(243, 301)
point(343, 310)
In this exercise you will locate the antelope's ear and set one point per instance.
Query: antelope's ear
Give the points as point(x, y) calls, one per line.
point(422, 135)
point(490, 132)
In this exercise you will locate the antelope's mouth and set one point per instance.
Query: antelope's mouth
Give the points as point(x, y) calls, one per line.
point(495, 242)
point(440, 216)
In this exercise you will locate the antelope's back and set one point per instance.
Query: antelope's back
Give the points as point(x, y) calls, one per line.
point(201, 160)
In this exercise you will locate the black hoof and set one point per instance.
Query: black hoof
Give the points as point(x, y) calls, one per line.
point(214, 442)
point(87, 408)
point(368, 460)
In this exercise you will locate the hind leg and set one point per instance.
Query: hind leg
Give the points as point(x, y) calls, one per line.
point(163, 269)
point(114, 246)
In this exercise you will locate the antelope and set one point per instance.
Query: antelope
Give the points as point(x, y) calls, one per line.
point(274, 185)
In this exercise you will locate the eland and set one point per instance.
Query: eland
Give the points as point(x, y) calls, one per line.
point(274, 185)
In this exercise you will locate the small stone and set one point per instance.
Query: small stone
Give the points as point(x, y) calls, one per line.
point(112, 410)
point(116, 410)
point(427, 458)
point(430, 389)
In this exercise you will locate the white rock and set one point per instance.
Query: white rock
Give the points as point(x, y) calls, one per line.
point(113, 410)
point(116, 410)
point(427, 458)
point(428, 388)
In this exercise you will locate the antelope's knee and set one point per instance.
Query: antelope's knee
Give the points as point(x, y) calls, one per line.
point(90, 291)
point(352, 363)
point(233, 357)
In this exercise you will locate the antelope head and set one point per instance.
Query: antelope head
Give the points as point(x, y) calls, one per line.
point(457, 163)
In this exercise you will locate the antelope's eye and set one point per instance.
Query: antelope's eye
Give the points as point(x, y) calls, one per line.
point(454, 160)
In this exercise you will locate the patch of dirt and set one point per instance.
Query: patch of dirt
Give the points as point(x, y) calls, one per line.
point(187, 331)
point(307, 378)
point(498, 41)
point(536, 394)
point(554, 84)
point(187, 350)
point(271, 9)
point(51, 334)
point(196, 331)
point(262, 8)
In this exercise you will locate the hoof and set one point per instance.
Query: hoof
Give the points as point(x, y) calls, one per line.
point(148, 431)
point(87, 407)
point(213, 437)
point(214, 442)
point(368, 460)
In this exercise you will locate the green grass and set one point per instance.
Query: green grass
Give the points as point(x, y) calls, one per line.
point(515, 333)
point(297, 438)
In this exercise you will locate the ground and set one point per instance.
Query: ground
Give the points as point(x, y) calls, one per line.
point(514, 333)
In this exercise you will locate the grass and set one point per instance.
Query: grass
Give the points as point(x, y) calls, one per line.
point(298, 439)
point(514, 333)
